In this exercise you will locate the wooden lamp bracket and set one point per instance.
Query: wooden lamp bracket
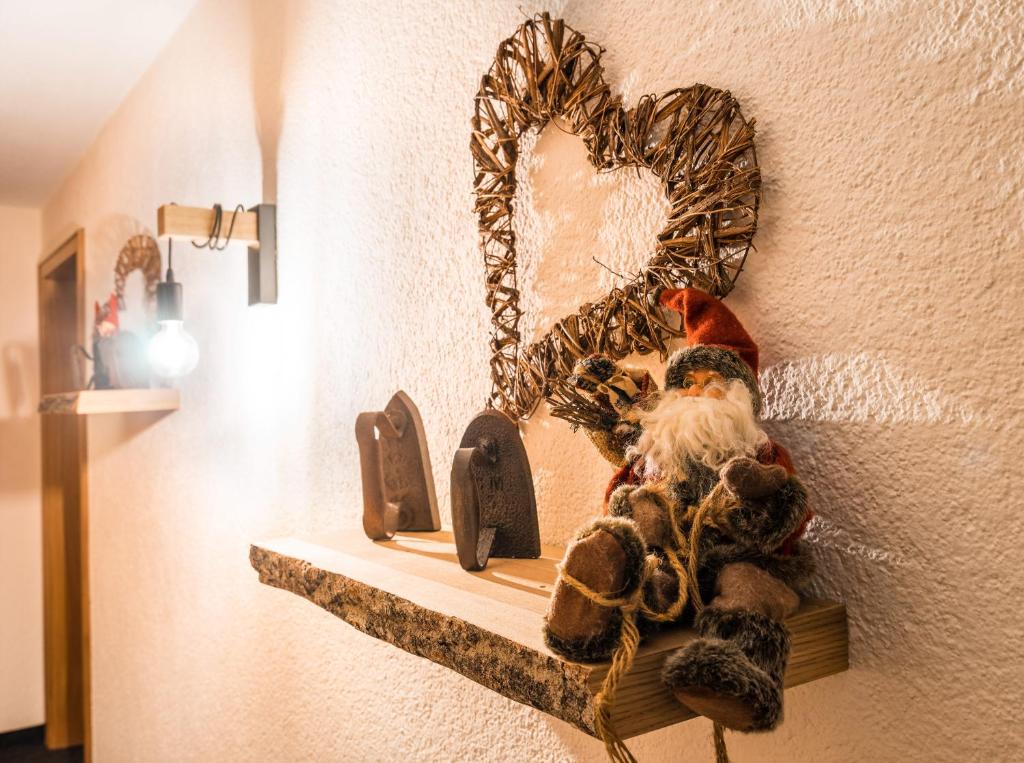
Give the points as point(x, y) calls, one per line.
point(257, 228)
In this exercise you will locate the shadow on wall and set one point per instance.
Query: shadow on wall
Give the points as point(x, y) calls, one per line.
point(19, 429)
point(270, 22)
point(109, 434)
point(858, 388)
point(20, 361)
point(108, 237)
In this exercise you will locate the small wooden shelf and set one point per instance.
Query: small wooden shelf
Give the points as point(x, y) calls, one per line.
point(411, 592)
point(89, 401)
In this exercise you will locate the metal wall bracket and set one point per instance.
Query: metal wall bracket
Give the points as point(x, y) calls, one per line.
point(494, 510)
point(398, 486)
point(263, 257)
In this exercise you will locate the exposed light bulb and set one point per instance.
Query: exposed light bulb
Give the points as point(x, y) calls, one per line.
point(172, 352)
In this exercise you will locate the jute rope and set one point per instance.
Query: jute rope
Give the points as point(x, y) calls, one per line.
point(630, 606)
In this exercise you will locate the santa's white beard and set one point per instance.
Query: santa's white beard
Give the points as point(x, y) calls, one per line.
point(681, 429)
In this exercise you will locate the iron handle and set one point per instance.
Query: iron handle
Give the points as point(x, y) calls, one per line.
point(381, 518)
point(472, 542)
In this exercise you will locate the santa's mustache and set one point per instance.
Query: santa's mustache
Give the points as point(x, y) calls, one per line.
point(682, 429)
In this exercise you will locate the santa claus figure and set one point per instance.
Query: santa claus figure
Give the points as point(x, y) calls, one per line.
point(107, 318)
point(703, 520)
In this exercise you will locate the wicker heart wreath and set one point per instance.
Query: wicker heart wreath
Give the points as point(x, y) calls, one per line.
point(695, 139)
point(140, 253)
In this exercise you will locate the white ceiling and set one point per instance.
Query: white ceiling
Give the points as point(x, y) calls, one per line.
point(65, 66)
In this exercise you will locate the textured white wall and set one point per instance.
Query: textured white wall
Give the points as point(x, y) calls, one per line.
point(21, 541)
point(885, 292)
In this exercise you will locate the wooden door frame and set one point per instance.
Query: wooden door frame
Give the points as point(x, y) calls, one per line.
point(66, 616)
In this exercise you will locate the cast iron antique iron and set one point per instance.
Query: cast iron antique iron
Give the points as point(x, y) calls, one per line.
point(398, 486)
point(494, 511)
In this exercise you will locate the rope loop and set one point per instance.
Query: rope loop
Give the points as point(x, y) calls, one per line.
point(633, 604)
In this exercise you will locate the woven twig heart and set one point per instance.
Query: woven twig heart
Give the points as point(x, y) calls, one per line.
point(138, 253)
point(694, 139)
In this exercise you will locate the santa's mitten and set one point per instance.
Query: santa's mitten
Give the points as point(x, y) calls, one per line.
point(602, 397)
point(648, 507)
point(769, 506)
point(604, 564)
point(750, 479)
point(604, 380)
point(733, 673)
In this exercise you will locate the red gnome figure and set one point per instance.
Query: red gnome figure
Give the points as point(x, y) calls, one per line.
point(107, 318)
point(703, 503)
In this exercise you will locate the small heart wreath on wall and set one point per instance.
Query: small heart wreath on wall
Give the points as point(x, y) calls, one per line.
point(140, 253)
point(694, 139)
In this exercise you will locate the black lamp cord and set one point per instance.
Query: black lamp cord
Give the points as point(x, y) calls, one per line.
point(214, 242)
point(168, 293)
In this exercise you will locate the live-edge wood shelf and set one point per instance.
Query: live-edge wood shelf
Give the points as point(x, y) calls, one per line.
point(412, 593)
point(89, 401)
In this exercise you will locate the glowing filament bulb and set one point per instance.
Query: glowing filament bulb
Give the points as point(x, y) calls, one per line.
point(172, 352)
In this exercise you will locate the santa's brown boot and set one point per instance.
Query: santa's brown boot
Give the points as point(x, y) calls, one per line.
point(607, 558)
point(733, 673)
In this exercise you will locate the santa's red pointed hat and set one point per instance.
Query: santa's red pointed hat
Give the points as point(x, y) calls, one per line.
point(717, 341)
point(108, 312)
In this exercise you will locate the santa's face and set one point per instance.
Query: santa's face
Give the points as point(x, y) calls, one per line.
point(703, 382)
point(707, 420)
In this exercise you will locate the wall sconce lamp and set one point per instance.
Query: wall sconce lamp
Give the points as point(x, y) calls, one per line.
point(256, 227)
point(172, 351)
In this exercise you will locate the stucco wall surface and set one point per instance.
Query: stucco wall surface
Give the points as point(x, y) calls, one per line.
point(885, 292)
point(21, 542)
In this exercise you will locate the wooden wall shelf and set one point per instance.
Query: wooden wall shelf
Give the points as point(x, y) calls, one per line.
point(89, 401)
point(411, 592)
